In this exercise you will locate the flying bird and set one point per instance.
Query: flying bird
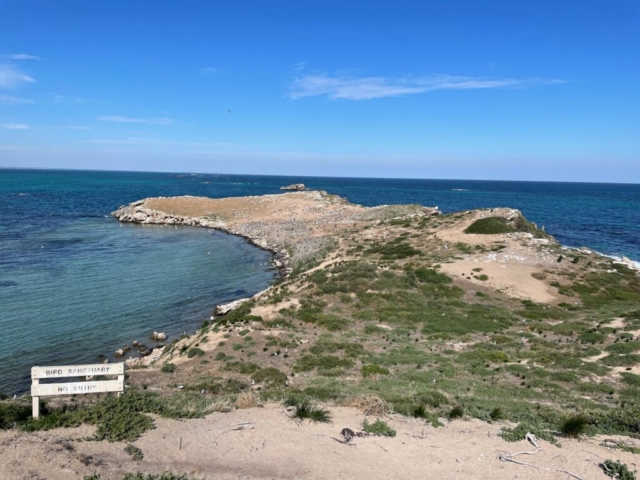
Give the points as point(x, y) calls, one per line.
point(229, 111)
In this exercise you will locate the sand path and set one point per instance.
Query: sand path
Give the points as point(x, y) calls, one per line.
point(278, 448)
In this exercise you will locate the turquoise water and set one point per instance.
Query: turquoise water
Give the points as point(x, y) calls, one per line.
point(75, 283)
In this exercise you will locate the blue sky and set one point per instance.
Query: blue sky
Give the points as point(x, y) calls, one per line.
point(521, 90)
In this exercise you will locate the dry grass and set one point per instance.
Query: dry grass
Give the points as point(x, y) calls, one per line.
point(247, 400)
point(368, 404)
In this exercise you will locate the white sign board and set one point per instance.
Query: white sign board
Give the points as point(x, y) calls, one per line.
point(75, 388)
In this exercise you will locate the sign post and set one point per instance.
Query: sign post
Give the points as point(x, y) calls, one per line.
point(74, 388)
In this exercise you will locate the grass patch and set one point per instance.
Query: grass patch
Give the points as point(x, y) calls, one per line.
point(305, 410)
point(371, 370)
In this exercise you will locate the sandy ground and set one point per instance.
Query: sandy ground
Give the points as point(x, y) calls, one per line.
point(510, 270)
point(279, 448)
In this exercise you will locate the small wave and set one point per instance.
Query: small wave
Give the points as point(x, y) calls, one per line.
point(8, 283)
point(460, 189)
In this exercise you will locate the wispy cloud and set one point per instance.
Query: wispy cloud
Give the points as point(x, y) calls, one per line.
point(11, 76)
point(210, 71)
point(20, 56)
point(71, 127)
point(15, 126)
point(150, 121)
point(11, 100)
point(366, 88)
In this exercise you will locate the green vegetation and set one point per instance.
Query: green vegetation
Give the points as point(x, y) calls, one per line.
point(370, 370)
point(574, 426)
point(195, 352)
point(497, 225)
point(306, 410)
point(270, 376)
point(168, 368)
point(135, 452)
point(378, 428)
point(617, 470)
point(145, 476)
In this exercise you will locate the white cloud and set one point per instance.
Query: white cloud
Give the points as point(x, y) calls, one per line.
point(15, 126)
point(11, 76)
point(20, 56)
point(11, 100)
point(150, 121)
point(367, 88)
point(71, 127)
point(210, 71)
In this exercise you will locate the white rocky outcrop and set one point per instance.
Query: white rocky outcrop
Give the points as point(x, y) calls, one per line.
point(227, 307)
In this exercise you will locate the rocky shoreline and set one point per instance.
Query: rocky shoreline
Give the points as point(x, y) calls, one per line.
point(136, 212)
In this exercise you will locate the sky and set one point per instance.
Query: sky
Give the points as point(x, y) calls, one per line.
point(502, 90)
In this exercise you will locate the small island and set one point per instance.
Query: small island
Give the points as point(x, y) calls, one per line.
point(295, 187)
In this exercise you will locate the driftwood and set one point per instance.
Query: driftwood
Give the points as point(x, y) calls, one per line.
point(508, 457)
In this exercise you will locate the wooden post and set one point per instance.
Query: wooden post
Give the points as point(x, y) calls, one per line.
point(35, 401)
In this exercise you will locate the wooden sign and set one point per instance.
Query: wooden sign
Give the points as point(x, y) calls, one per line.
point(74, 388)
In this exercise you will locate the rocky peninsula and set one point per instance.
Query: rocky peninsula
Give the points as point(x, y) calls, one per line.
point(413, 331)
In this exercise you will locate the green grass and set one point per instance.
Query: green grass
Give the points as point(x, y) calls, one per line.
point(306, 410)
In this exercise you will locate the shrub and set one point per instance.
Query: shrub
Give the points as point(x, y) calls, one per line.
point(13, 413)
point(617, 470)
point(168, 368)
point(456, 412)
point(135, 452)
point(270, 376)
point(574, 426)
point(378, 428)
point(490, 226)
point(195, 351)
point(304, 409)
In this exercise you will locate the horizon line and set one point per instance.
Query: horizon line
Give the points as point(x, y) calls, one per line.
point(310, 176)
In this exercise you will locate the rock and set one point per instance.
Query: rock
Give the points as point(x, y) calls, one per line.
point(296, 187)
point(135, 343)
point(119, 352)
point(227, 307)
point(158, 336)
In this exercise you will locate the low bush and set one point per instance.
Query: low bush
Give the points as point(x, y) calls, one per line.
point(378, 428)
point(135, 452)
point(270, 376)
point(617, 470)
point(195, 352)
point(574, 426)
point(370, 370)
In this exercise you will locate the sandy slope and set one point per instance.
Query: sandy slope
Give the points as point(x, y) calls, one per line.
point(278, 448)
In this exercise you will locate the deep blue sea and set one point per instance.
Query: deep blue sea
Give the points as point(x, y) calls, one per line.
point(75, 283)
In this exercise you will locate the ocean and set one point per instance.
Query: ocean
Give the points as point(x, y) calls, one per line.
point(76, 284)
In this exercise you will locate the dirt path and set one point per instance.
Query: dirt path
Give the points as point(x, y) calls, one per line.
point(279, 448)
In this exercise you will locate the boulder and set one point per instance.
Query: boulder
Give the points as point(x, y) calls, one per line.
point(119, 352)
point(158, 336)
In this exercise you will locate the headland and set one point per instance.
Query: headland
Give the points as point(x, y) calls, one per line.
point(472, 328)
